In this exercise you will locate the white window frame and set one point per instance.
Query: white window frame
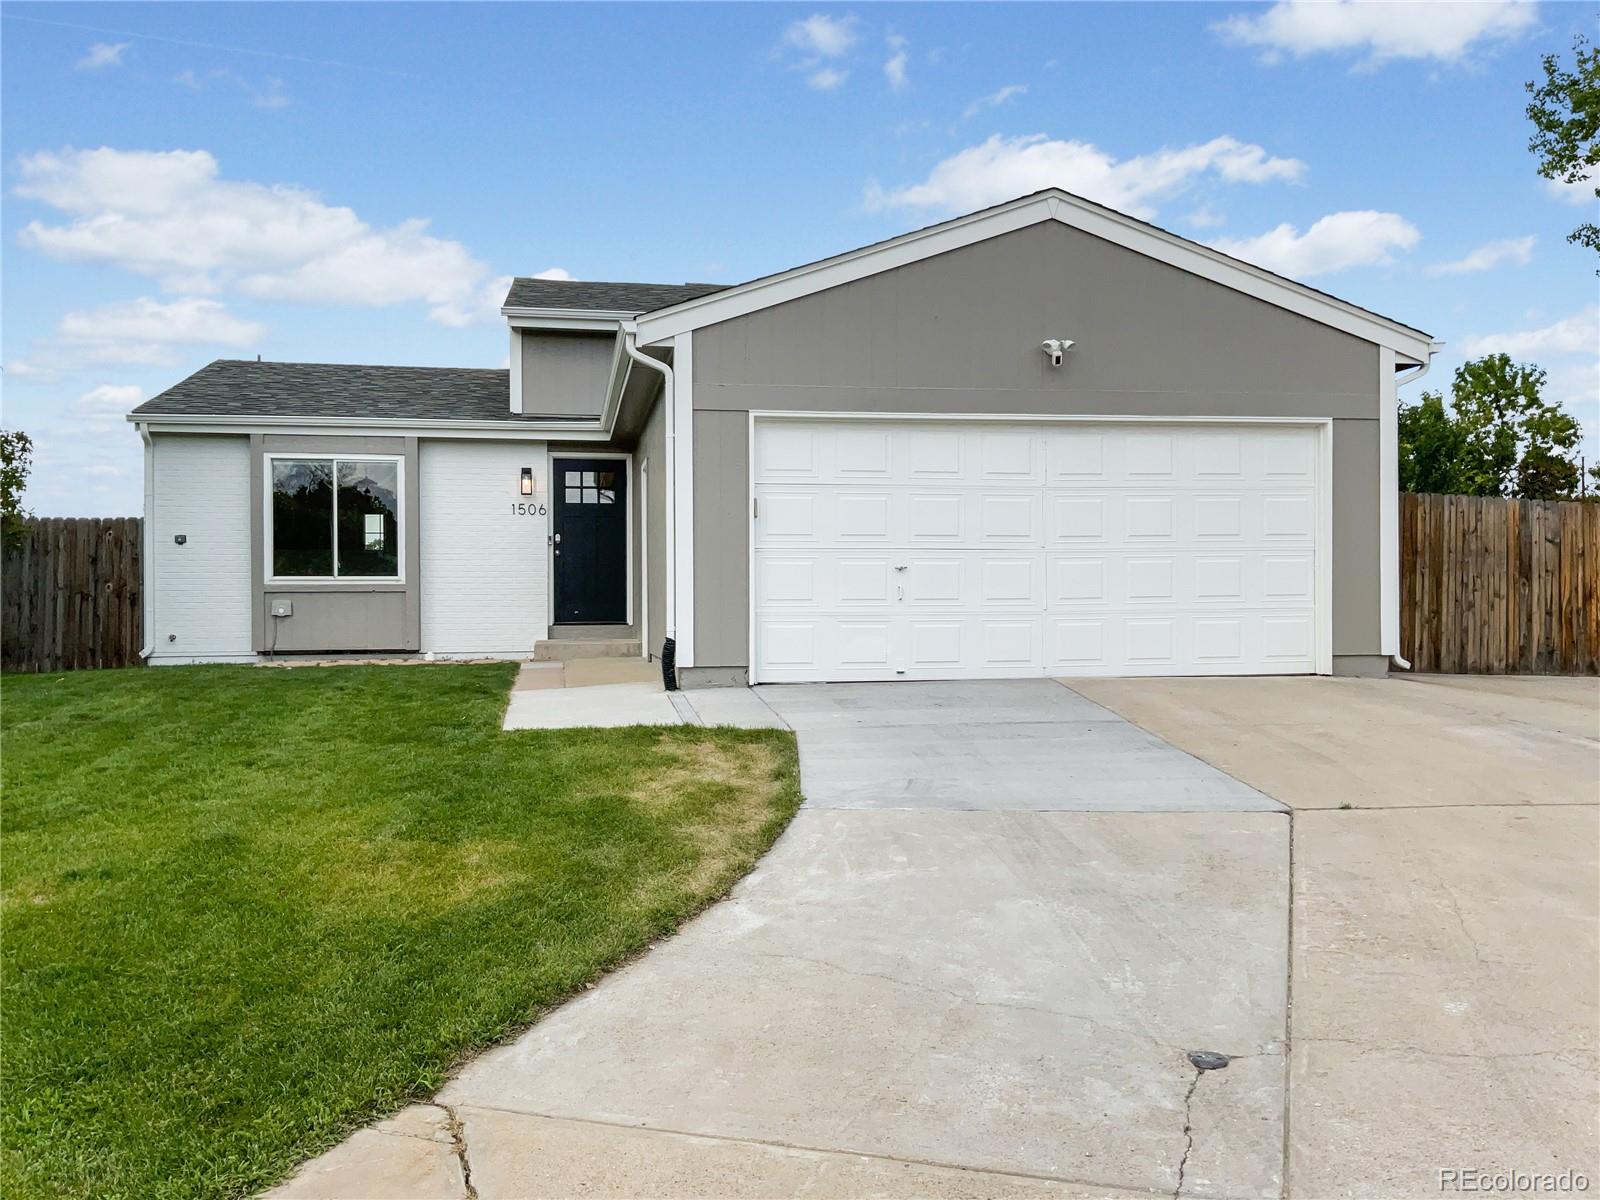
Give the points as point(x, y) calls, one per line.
point(335, 579)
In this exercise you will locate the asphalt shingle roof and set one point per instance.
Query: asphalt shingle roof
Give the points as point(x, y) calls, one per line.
point(578, 294)
point(235, 387)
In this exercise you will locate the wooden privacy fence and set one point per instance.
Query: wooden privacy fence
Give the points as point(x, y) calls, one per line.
point(72, 595)
point(1500, 586)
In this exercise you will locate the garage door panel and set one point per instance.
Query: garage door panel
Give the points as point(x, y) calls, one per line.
point(892, 550)
point(1220, 643)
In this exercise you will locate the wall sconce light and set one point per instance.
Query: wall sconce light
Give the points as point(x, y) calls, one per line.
point(527, 481)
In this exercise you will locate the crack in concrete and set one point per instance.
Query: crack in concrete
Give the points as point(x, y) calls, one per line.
point(1128, 1189)
point(1188, 1131)
point(1454, 902)
point(1587, 1052)
point(967, 998)
point(458, 1139)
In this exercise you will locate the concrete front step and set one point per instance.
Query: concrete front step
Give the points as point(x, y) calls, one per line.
point(591, 633)
point(562, 649)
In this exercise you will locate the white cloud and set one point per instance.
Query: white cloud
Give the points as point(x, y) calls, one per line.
point(268, 94)
point(169, 215)
point(271, 95)
point(894, 67)
point(552, 273)
point(994, 99)
point(823, 36)
point(33, 372)
point(1335, 243)
point(1508, 252)
point(1205, 217)
point(1003, 168)
point(1380, 29)
point(190, 321)
point(111, 398)
point(1577, 334)
point(100, 55)
point(825, 79)
point(1582, 192)
point(140, 332)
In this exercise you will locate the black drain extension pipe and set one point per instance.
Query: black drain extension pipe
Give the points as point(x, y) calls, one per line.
point(669, 664)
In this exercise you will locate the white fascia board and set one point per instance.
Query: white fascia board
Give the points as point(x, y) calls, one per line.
point(616, 381)
point(664, 324)
point(564, 319)
point(586, 431)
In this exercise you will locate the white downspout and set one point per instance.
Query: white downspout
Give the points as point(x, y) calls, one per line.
point(147, 555)
point(669, 486)
point(1422, 370)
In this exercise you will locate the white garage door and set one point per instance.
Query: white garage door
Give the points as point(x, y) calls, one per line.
point(972, 550)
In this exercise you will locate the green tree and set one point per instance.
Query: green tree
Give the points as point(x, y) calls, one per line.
point(1432, 448)
point(1499, 436)
point(1565, 112)
point(16, 460)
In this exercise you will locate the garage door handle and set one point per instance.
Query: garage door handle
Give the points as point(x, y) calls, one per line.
point(899, 593)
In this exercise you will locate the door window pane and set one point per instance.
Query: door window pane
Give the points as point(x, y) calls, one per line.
point(368, 520)
point(302, 517)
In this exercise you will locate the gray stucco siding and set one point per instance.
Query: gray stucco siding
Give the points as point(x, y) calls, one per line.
point(959, 333)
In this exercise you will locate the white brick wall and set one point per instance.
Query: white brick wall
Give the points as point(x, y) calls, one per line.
point(202, 589)
point(484, 568)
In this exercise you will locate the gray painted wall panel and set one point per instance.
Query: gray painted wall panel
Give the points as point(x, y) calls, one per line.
point(1357, 623)
point(336, 621)
point(721, 538)
point(565, 374)
point(652, 449)
point(969, 323)
point(960, 333)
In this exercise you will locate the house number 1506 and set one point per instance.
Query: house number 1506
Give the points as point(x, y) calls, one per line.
point(522, 508)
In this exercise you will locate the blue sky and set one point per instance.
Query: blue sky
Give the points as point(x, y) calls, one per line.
point(354, 182)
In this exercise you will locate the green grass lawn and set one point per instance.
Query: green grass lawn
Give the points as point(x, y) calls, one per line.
point(246, 910)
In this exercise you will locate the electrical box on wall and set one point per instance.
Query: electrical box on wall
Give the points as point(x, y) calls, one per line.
point(283, 608)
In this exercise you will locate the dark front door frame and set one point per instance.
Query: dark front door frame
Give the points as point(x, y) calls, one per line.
point(603, 593)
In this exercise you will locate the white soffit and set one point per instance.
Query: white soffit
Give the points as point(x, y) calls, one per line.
point(1053, 205)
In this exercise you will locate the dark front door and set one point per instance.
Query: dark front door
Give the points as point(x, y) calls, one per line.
point(591, 540)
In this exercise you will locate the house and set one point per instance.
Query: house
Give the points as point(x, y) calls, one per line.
point(1043, 438)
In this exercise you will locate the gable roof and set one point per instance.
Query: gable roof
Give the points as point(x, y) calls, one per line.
point(620, 299)
point(1051, 204)
point(237, 387)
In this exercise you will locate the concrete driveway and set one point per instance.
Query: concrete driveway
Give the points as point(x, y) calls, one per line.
point(978, 961)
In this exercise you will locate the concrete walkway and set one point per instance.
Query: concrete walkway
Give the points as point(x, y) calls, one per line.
point(611, 692)
point(1022, 745)
point(984, 973)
